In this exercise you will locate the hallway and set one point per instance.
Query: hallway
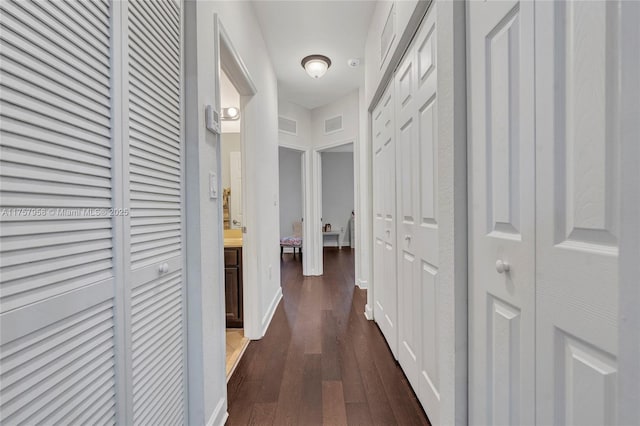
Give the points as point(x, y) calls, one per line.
point(321, 361)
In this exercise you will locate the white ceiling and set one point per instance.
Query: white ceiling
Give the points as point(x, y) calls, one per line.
point(294, 29)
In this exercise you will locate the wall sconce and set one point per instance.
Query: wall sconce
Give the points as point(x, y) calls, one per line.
point(230, 114)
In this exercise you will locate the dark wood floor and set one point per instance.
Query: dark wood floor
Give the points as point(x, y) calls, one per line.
point(321, 361)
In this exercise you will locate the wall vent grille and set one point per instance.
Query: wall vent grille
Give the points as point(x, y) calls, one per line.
point(287, 125)
point(332, 125)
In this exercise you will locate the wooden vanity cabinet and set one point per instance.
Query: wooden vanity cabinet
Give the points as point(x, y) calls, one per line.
point(233, 286)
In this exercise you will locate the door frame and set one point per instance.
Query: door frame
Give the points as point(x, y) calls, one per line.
point(629, 270)
point(233, 66)
point(306, 200)
point(316, 200)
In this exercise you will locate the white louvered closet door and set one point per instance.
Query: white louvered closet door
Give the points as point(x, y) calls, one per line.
point(57, 298)
point(155, 181)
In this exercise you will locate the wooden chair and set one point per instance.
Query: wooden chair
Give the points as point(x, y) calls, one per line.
point(294, 241)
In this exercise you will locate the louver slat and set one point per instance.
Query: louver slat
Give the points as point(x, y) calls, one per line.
point(155, 173)
point(56, 270)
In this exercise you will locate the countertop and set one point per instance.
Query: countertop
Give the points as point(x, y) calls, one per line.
point(233, 238)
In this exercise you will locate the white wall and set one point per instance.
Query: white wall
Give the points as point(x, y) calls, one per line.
point(347, 106)
point(374, 67)
point(337, 194)
point(290, 189)
point(302, 116)
point(230, 143)
point(207, 383)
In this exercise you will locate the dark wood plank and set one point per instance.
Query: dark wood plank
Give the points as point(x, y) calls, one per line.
point(358, 414)
point(321, 361)
point(263, 414)
point(333, 407)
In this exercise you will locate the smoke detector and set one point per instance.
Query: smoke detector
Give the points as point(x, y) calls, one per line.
point(353, 62)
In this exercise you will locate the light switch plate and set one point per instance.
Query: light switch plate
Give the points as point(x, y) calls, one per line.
point(213, 186)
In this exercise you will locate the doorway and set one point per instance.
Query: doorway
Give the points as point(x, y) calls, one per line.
point(337, 199)
point(235, 91)
point(232, 208)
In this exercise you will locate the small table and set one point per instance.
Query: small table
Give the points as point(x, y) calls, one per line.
point(337, 235)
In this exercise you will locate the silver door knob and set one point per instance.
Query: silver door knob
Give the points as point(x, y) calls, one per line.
point(163, 268)
point(502, 266)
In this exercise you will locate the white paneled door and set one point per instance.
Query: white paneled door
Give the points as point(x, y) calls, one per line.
point(578, 52)
point(501, 212)
point(384, 226)
point(564, 261)
point(417, 171)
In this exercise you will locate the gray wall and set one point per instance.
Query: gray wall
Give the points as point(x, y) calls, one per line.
point(290, 189)
point(337, 193)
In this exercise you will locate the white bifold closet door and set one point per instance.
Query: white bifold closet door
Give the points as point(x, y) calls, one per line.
point(544, 334)
point(384, 223)
point(57, 301)
point(417, 193)
point(155, 154)
point(501, 213)
point(92, 292)
point(578, 51)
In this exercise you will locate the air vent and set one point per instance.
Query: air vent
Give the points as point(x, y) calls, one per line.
point(332, 125)
point(286, 125)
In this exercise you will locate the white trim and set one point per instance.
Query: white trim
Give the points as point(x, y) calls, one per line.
point(220, 415)
point(266, 320)
point(183, 219)
point(293, 147)
point(330, 145)
point(368, 312)
point(120, 229)
point(231, 63)
point(629, 292)
point(362, 284)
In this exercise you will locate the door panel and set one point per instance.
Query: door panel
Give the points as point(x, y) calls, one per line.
point(577, 95)
point(416, 131)
point(384, 226)
point(501, 212)
point(155, 195)
point(57, 277)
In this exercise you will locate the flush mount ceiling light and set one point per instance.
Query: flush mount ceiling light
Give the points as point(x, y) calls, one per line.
point(230, 114)
point(316, 65)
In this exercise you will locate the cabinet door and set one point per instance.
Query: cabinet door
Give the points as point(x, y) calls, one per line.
point(501, 213)
point(578, 56)
point(232, 296)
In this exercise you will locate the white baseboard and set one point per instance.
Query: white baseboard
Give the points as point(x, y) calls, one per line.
point(368, 312)
point(266, 320)
point(219, 416)
point(361, 284)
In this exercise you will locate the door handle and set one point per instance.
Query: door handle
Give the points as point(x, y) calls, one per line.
point(408, 238)
point(502, 266)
